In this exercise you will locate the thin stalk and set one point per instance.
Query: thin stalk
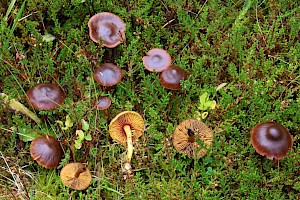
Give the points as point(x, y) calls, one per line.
point(129, 142)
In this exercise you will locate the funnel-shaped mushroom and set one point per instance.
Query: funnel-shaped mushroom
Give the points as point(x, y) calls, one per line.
point(157, 60)
point(46, 151)
point(187, 136)
point(76, 176)
point(45, 96)
point(108, 74)
point(171, 77)
point(107, 27)
point(127, 127)
point(272, 140)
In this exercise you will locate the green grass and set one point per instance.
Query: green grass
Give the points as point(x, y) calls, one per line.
point(253, 46)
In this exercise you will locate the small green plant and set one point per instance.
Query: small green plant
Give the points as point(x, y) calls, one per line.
point(205, 104)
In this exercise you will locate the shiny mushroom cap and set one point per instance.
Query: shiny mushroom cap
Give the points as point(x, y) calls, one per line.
point(76, 176)
point(107, 27)
point(108, 74)
point(131, 118)
point(189, 135)
point(46, 151)
point(271, 140)
point(171, 77)
point(157, 60)
point(45, 96)
point(102, 103)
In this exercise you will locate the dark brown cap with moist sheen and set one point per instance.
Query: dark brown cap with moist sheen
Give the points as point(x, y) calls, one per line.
point(76, 176)
point(171, 77)
point(108, 28)
point(271, 139)
point(103, 103)
point(189, 135)
point(46, 151)
point(108, 74)
point(45, 96)
point(157, 60)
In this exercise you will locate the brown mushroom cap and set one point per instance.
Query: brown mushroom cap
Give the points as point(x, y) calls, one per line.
point(108, 74)
point(108, 27)
point(157, 60)
point(76, 176)
point(102, 103)
point(171, 77)
point(131, 118)
point(271, 139)
point(45, 96)
point(46, 151)
point(187, 135)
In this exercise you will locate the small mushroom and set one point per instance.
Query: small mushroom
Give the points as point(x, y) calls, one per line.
point(127, 127)
point(103, 103)
point(271, 139)
point(76, 176)
point(46, 151)
point(187, 136)
point(157, 60)
point(108, 74)
point(45, 96)
point(108, 28)
point(171, 77)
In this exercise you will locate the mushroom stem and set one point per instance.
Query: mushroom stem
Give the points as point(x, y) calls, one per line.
point(129, 142)
point(79, 171)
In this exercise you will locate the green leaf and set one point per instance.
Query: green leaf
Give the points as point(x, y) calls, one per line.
point(88, 137)
point(78, 144)
point(204, 115)
point(80, 134)
point(221, 86)
point(48, 37)
point(85, 125)
point(68, 123)
point(59, 122)
point(203, 97)
point(27, 135)
point(207, 104)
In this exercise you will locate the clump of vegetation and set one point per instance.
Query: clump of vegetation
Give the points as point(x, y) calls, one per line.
point(251, 46)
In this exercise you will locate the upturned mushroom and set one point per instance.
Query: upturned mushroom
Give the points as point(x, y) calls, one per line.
point(187, 136)
point(272, 140)
point(46, 151)
point(127, 127)
point(76, 176)
point(157, 60)
point(45, 96)
point(108, 74)
point(171, 77)
point(108, 28)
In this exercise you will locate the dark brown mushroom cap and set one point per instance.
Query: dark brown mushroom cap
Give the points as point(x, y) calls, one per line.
point(45, 96)
point(271, 139)
point(171, 77)
point(157, 60)
point(107, 27)
point(193, 138)
point(46, 151)
point(102, 103)
point(76, 176)
point(108, 74)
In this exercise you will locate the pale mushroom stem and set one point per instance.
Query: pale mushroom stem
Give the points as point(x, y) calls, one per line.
point(129, 142)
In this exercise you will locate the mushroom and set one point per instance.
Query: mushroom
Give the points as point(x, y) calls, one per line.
point(187, 135)
point(171, 77)
point(103, 103)
point(46, 151)
point(76, 176)
point(272, 140)
point(108, 28)
point(108, 74)
point(127, 127)
point(45, 96)
point(157, 60)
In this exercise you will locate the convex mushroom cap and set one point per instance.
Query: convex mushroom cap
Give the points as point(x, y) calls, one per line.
point(76, 176)
point(102, 103)
point(46, 151)
point(157, 60)
point(171, 77)
point(108, 28)
point(189, 135)
point(108, 74)
point(271, 139)
point(45, 96)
